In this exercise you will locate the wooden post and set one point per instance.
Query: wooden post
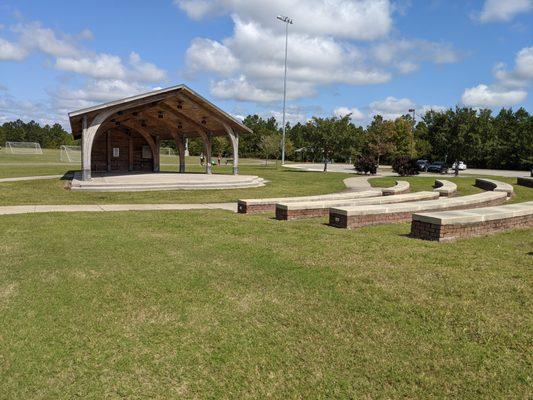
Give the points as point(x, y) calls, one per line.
point(208, 147)
point(85, 151)
point(180, 144)
point(130, 153)
point(108, 151)
point(156, 154)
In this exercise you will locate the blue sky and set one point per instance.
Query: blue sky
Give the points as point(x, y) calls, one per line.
point(359, 56)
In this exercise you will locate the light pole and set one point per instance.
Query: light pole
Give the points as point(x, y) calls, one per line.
point(412, 110)
point(287, 22)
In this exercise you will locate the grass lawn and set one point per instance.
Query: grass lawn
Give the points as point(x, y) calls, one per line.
point(465, 185)
point(210, 304)
point(282, 182)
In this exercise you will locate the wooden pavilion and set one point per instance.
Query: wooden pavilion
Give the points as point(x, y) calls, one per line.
point(124, 135)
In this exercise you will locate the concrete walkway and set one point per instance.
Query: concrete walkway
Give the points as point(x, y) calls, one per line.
point(9, 210)
point(30, 178)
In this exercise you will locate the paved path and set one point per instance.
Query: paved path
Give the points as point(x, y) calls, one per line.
point(7, 210)
point(30, 178)
point(387, 171)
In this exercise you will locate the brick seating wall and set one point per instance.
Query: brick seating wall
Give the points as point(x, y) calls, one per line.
point(243, 208)
point(357, 221)
point(436, 232)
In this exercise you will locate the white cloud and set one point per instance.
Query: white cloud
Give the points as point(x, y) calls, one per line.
point(71, 56)
point(11, 51)
point(510, 86)
point(242, 89)
point(252, 60)
point(406, 55)
point(210, 55)
point(503, 10)
point(33, 36)
point(145, 71)
point(356, 114)
point(353, 19)
point(485, 96)
point(391, 107)
point(95, 66)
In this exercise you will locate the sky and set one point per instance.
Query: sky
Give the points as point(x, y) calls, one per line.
point(363, 57)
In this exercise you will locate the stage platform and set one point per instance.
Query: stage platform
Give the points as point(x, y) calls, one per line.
point(139, 182)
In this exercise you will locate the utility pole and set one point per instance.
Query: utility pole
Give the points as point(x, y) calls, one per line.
point(287, 22)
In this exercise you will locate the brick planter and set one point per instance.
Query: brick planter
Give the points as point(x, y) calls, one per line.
point(430, 231)
point(341, 220)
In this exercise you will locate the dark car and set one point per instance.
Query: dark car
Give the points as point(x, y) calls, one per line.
point(422, 165)
point(438, 166)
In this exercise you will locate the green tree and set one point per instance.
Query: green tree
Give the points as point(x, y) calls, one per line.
point(332, 137)
point(270, 146)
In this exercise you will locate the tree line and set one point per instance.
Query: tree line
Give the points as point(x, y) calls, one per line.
point(47, 136)
point(477, 137)
point(481, 139)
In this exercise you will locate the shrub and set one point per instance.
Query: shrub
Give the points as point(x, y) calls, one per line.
point(405, 166)
point(366, 164)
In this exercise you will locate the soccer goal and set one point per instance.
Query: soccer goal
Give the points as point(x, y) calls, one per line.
point(167, 151)
point(70, 154)
point(24, 148)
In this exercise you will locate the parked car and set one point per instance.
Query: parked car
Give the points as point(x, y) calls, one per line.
point(462, 166)
point(422, 165)
point(438, 166)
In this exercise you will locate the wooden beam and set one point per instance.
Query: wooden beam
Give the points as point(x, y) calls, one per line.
point(181, 115)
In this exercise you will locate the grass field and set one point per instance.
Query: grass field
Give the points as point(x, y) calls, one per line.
point(211, 304)
point(217, 305)
point(49, 163)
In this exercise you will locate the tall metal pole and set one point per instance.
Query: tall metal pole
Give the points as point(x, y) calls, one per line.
point(287, 21)
point(284, 94)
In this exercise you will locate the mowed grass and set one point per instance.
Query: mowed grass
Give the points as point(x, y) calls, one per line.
point(210, 304)
point(49, 163)
point(465, 185)
point(281, 182)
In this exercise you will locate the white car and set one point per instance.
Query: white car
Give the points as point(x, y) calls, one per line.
point(462, 166)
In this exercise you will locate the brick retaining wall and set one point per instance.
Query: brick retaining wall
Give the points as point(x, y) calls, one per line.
point(357, 221)
point(429, 231)
point(243, 208)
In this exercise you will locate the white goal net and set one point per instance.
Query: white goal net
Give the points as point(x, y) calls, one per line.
point(167, 151)
point(70, 153)
point(24, 148)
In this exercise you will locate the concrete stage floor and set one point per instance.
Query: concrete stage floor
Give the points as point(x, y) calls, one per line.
point(136, 182)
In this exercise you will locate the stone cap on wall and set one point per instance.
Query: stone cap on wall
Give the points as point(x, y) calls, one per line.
point(476, 215)
point(306, 205)
point(429, 205)
point(323, 197)
point(400, 187)
point(445, 187)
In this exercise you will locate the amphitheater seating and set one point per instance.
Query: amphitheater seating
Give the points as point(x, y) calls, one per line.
point(399, 188)
point(306, 209)
point(496, 186)
point(445, 188)
point(354, 217)
point(525, 181)
point(450, 225)
point(251, 206)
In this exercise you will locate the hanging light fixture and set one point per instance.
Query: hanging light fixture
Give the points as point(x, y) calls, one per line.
point(180, 105)
point(180, 125)
point(160, 114)
point(204, 120)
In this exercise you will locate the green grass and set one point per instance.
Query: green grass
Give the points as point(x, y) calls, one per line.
point(209, 304)
point(49, 163)
point(465, 185)
point(282, 182)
